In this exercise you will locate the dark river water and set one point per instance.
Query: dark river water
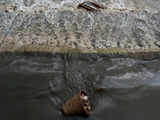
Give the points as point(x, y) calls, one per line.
point(34, 86)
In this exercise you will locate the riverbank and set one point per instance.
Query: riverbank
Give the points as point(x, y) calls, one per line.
point(52, 26)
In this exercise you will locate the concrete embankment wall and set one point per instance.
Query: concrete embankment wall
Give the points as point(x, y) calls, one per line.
point(59, 26)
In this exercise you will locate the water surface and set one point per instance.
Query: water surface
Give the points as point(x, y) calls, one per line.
point(34, 86)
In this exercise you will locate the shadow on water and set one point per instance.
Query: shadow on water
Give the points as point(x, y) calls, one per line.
point(34, 86)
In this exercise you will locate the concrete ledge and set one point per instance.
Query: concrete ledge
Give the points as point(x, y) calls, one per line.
point(111, 52)
point(40, 28)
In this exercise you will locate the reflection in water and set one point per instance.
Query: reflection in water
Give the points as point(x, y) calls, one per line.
point(34, 87)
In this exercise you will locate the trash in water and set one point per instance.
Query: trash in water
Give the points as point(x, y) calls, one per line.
point(90, 6)
point(77, 105)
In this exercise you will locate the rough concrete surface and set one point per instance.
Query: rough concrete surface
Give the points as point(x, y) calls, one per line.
point(57, 25)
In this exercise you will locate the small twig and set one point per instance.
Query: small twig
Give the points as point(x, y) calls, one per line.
point(90, 6)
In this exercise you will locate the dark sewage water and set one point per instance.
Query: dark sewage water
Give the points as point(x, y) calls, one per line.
point(34, 86)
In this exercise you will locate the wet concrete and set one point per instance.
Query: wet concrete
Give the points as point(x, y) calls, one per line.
point(34, 86)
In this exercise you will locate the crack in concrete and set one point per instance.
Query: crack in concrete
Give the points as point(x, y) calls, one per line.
point(9, 29)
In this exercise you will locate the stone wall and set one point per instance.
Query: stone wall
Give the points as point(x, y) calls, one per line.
point(55, 25)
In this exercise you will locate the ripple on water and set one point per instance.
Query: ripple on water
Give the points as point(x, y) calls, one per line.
point(113, 84)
